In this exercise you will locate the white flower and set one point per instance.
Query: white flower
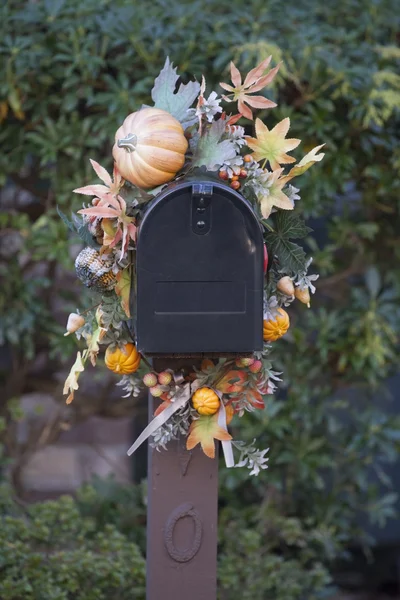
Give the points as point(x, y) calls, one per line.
point(210, 107)
point(304, 280)
point(291, 193)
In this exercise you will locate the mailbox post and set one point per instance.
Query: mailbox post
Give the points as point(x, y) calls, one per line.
point(181, 521)
point(199, 294)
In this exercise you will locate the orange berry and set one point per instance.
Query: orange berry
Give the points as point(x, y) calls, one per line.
point(248, 158)
point(235, 185)
point(243, 173)
point(234, 178)
point(223, 175)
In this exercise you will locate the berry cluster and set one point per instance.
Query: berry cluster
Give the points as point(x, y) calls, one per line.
point(253, 365)
point(159, 384)
point(237, 173)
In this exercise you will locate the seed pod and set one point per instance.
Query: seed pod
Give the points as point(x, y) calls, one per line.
point(223, 175)
point(285, 285)
point(235, 185)
point(150, 380)
point(303, 295)
point(156, 391)
point(94, 270)
point(74, 323)
point(164, 378)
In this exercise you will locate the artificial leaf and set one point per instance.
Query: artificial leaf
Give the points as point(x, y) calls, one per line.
point(287, 227)
point(110, 187)
point(114, 207)
point(67, 222)
point(71, 383)
point(254, 82)
point(204, 431)
point(211, 152)
point(166, 97)
point(93, 344)
point(82, 229)
point(306, 162)
point(272, 145)
point(254, 398)
point(123, 288)
point(271, 193)
point(111, 313)
point(232, 382)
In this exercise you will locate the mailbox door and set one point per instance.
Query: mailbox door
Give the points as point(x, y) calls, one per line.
point(199, 273)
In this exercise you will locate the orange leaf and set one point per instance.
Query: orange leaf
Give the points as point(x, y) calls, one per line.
point(255, 398)
point(162, 407)
point(232, 382)
point(204, 431)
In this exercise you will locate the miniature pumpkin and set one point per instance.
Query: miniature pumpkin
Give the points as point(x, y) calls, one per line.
point(273, 329)
point(123, 360)
point(149, 147)
point(205, 401)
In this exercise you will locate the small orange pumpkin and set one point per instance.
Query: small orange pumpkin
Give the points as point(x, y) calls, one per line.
point(273, 329)
point(149, 147)
point(205, 401)
point(123, 360)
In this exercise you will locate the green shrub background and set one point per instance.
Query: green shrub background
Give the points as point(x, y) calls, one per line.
point(70, 71)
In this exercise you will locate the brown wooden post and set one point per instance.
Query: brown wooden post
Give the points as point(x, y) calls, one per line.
point(182, 518)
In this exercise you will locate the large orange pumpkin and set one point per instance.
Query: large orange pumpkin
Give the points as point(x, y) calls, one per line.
point(273, 329)
point(149, 147)
point(123, 360)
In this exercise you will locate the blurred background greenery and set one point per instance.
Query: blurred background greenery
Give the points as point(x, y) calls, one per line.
point(70, 71)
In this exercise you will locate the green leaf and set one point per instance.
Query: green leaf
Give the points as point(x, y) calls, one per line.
point(123, 289)
point(289, 254)
point(211, 152)
point(166, 97)
point(67, 222)
point(82, 229)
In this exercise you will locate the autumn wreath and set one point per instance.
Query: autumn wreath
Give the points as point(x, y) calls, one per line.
point(184, 131)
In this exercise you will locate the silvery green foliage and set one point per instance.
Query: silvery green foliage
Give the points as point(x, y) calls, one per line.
point(177, 425)
point(251, 457)
point(210, 107)
point(131, 385)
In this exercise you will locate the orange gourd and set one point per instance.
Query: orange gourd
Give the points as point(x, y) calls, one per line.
point(205, 401)
point(273, 329)
point(149, 147)
point(122, 360)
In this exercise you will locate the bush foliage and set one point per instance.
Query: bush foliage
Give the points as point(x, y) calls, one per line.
point(50, 552)
point(70, 73)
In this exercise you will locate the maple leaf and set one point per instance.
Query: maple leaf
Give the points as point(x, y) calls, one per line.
point(114, 208)
point(110, 187)
point(232, 382)
point(123, 289)
point(270, 193)
point(288, 226)
point(71, 383)
point(211, 151)
point(254, 81)
point(167, 97)
point(306, 162)
point(204, 431)
point(272, 145)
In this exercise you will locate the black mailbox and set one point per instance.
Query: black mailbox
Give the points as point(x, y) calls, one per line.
point(199, 273)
